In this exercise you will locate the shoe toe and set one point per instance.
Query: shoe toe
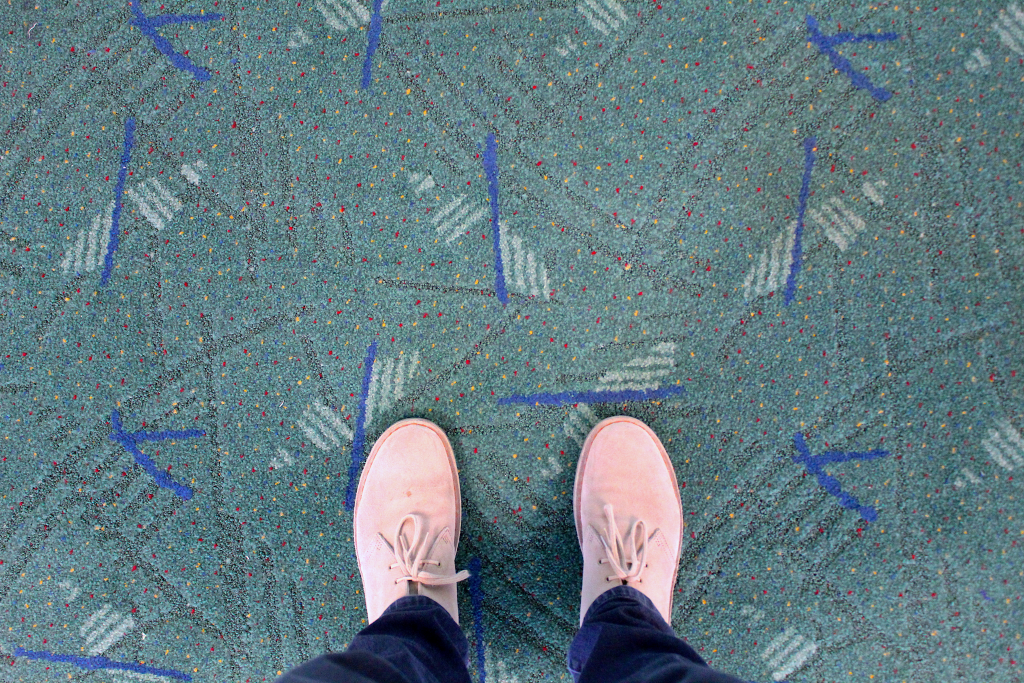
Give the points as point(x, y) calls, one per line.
point(625, 464)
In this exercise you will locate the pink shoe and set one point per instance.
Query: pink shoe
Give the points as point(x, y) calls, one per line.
point(407, 518)
point(629, 518)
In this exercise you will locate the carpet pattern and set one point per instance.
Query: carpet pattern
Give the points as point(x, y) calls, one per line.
point(241, 239)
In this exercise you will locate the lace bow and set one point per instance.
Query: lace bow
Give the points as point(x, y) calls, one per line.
point(626, 560)
point(411, 557)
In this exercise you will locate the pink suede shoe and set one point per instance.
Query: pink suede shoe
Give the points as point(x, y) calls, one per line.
point(629, 518)
point(407, 518)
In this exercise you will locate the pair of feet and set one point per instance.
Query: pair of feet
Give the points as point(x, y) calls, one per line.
point(408, 512)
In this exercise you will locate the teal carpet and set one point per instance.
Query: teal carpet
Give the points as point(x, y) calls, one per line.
point(241, 239)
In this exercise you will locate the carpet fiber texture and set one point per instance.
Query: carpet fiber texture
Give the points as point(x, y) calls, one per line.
point(240, 239)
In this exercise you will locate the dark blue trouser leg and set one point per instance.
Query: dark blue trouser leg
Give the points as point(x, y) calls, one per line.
point(415, 640)
point(625, 640)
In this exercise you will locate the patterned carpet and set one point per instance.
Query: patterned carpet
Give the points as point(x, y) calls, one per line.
point(241, 239)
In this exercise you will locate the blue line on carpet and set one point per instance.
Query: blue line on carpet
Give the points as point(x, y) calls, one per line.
point(130, 443)
point(115, 219)
point(828, 482)
point(149, 25)
point(491, 169)
point(476, 593)
point(372, 40)
point(100, 663)
point(360, 434)
point(805, 192)
point(825, 45)
point(591, 396)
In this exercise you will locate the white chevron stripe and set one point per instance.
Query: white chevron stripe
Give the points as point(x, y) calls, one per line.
point(830, 231)
point(364, 14)
point(781, 654)
point(594, 21)
point(387, 376)
point(776, 259)
point(839, 223)
point(447, 208)
point(74, 591)
point(334, 419)
point(634, 386)
point(105, 227)
point(853, 224)
point(617, 8)
point(1011, 453)
point(872, 192)
point(755, 276)
point(993, 450)
point(155, 206)
point(1011, 29)
point(517, 261)
point(90, 247)
point(600, 17)
point(313, 435)
point(795, 662)
point(522, 271)
point(977, 61)
point(170, 204)
point(623, 375)
point(92, 632)
point(90, 254)
point(554, 470)
point(79, 246)
point(342, 22)
point(92, 619)
point(387, 382)
point(322, 425)
point(569, 46)
point(299, 38)
point(575, 418)
point(650, 360)
point(399, 382)
point(331, 17)
point(146, 210)
point(578, 436)
point(282, 458)
point(531, 268)
point(472, 218)
point(1011, 433)
point(115, 635)
point(778, 642)
point(605, 17)
point(325, 429)
point(425, 180)
point(448, 226)
point(579, 423)
point(190, 172)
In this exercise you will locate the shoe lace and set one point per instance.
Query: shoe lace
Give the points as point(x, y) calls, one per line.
point(411, 557)
point(626, 559)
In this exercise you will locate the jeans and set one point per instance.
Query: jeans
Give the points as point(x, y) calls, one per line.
point(623, 640)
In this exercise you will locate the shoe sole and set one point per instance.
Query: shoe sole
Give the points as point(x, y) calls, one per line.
point(369, 462)
point(581, 465)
